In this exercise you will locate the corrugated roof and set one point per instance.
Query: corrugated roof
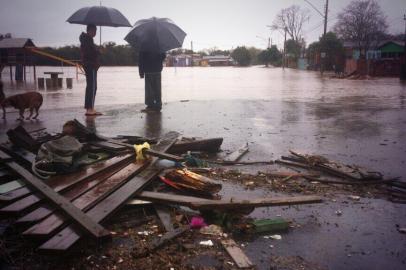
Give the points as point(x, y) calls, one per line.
point(15, 43)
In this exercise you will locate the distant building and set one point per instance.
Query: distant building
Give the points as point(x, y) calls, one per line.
point(15, 52)
point(217, 60)
point(391, 49)
point(383, 59)
point(186, 60)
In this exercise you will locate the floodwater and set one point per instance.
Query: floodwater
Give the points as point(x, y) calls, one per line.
point(122, 85)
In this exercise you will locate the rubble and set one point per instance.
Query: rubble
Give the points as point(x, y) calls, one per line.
point(166, 237)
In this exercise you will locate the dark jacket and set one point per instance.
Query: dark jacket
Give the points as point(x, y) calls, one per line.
point(149, 62)
point(89, 51)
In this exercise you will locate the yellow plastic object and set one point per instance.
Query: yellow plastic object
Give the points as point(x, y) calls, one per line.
point(139, 148)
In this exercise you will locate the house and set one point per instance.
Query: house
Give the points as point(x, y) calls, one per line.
point(15, 52)
point(180, 60)
point(383, 59)
point(391, 49)
point(217, 60)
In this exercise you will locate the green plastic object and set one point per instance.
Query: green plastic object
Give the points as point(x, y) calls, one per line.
point(270, 225)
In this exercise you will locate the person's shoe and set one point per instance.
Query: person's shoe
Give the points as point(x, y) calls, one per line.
point(147, 109)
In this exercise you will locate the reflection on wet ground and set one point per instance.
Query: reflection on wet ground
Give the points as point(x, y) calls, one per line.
point(355, 122)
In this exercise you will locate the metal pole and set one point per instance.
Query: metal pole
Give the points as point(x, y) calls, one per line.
point(269, 42)
point(324, 35)
point(100, 36)
point(403, 66)
point(191, 47)
point(284, 51)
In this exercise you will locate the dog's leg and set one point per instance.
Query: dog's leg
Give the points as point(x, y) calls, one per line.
point(21, 115)
point(36, 113)
point(31, 113)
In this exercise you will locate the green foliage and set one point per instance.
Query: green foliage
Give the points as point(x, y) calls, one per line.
point(331, 45)
point(270, 56)
point(180, 51)
point(293, 48)
point(242, 56)
point(111, 55)
point(254, 52)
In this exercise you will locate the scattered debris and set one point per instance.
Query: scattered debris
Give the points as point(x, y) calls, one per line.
point(276, 237)
point(239, 257)
point(207, 243)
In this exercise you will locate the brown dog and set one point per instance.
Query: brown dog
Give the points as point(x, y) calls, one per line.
point(29, 100)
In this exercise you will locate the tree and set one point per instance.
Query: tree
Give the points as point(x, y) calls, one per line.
point(215, 51)
point(332, 46)
point(242, 56)
point(363, 22)
point(254, 52)
point(264, 57)
point(270, 56)
point(329, 44)
point(291, 19)
point(293, 48)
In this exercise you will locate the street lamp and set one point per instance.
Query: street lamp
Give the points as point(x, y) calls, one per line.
point(268, 40)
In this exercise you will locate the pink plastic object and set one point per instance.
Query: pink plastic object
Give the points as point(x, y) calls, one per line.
point(197, 223)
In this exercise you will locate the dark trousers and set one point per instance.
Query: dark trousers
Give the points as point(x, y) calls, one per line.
point(153, 90)
point(91, 86)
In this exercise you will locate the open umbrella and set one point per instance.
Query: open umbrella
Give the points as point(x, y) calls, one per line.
point(99, 15)
point(156, 35)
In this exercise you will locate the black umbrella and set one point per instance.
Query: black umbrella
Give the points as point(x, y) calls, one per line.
point(99, 15)
point(156, 35)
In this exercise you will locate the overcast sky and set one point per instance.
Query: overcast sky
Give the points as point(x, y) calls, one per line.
point(221, 23)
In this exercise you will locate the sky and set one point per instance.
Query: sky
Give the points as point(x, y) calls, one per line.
point(224, 24)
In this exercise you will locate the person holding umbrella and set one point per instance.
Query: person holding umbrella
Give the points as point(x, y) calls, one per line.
point(153, 37)
point(150, 66)
point(90, 60)
point(92, 16)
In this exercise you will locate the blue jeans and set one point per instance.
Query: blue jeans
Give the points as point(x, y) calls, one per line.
point(91, 86)
point(153, 90)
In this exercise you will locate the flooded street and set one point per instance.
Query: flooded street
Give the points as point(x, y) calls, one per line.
point(122, 85)
point(360, 121)
point(355, 122)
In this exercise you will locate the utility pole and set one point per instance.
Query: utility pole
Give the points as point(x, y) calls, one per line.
point(403, 66)
point(323, 54)
point(191, 47)
point(284, 51)
point(269, 43)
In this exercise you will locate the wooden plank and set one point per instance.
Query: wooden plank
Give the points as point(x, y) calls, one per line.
point(260, 202)
point(238, 256)
point(14, 194)
point(162, 155)
point(66, 182)
point(237, 155)
point(77, 216)
point(150, 152)
point(70, 235)
point(81, 188)
point(12, 185)
point(86, 201)
point(166, 198)
point(164, 214)
point(199, 203)
point(207, 145)
point(167, 237)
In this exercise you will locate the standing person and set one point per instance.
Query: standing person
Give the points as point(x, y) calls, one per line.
point(90, 61)
point(150, 66)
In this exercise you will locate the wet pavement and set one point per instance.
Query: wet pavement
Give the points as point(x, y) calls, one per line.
point(355, 122)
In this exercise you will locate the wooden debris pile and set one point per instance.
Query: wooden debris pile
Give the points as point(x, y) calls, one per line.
point(56, 213)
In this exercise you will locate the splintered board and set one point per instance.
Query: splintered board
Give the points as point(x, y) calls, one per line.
point(99, 213)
